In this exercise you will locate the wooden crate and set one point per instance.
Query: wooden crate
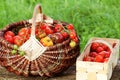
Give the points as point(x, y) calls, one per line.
point(94, 70)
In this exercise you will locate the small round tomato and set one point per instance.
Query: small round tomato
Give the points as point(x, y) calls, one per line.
point(9, 39)
point(102, 53)
point(18, 40)
point(58, 27)
point(43, 26)
point(99, 58)
point(104, 46)
point(65, 35)
point(94, 46)
point(107, 54)
point(24, 31)
point(93, 54)
point(72, 35)
point(70, 27)
point(99, 49)
point(10, 33)
point(48, 30)
point(75, 39)
point(87, 58)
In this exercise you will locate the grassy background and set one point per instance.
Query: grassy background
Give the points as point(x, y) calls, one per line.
point(91, 18)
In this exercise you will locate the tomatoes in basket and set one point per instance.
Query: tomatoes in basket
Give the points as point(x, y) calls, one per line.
point(9, 36)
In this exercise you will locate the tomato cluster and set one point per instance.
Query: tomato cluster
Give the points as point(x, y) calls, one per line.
point(99, 52)
point(20, 38)
point(47, 34)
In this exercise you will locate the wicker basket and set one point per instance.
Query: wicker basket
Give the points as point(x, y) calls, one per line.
point(53, 61)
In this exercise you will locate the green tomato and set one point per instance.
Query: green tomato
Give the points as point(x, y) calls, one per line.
point(15, 47)
point(72, 44)
point(21, 53)
point(14, 52)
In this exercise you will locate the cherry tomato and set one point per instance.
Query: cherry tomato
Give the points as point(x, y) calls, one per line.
point(94, 46)
point(99, 58)
point(93, 54)
point(43, 26)
point(107, 54)
point(70, 27)
point(65, 35)
point(102, 53)
point(104, 46)
point(48, 30)
point(75, 39)
point(72, 35)
point(18, 40)
point(87, 58)
point(58, 27)
point(9, 36)
point(99, 49)
point(24, 33)
point(10, 33)
point(9, 39)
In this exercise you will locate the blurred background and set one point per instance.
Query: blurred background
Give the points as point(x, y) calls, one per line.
point(91, 18)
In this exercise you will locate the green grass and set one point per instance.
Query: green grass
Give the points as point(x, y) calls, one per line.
point(91, 18)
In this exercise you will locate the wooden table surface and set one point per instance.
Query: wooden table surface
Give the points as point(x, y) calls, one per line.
point(70, 74)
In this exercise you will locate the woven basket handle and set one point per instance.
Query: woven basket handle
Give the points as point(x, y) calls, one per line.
point(37, 10)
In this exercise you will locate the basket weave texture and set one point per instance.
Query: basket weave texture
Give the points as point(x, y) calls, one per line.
point(55, 60)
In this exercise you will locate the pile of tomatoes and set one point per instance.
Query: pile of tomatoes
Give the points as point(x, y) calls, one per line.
point(99, 52)
point(48, 35)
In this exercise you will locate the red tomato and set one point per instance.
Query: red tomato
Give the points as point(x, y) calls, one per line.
point(37, 30)
point(70, 27)
point(104, 46)
point(99, 49)
point(72, 35)
point(87, 58)
point(107, 54)
point(43, 26)
point(75, 39)
point(94, 46)
point(93, 54)
point(9, 36)
point(99, 58)
point(48, 30)
point(24, 33)
point(58, 27)
point(9, 39)
point(18, 40)
point(65, 35)
point(103, 53)
point(10, 33)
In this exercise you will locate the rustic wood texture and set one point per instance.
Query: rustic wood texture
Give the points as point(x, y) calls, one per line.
point(68, 75)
